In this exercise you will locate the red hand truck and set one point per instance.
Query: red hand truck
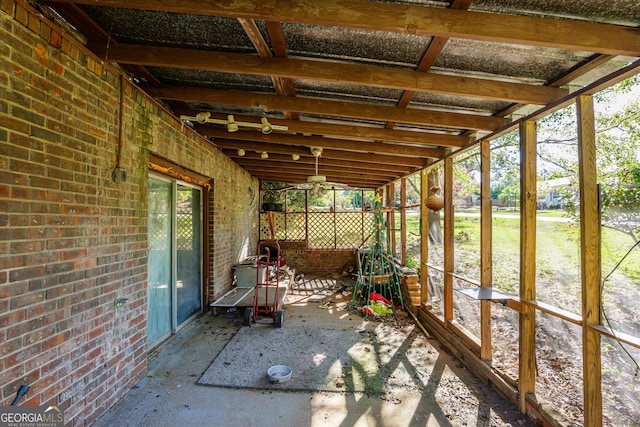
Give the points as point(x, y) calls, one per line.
point(269, 257)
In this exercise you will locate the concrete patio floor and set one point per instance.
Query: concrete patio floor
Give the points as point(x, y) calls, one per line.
point(169, 395)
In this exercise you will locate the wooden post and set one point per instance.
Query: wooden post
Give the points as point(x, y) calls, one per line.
point(424, 238)
point(528, 198)
point(590, 262)
point(403, 221)
point(391, 218)
point(486, 278)
point(448, 235)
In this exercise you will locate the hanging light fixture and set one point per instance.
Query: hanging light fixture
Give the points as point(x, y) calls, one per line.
point(265, 127)
point(264, 155)
point(203, 117)
point(295, 157)
point(232, 126)
point(241, 152)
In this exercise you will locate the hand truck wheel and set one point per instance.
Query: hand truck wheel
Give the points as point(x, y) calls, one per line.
point(279, 321)
point(248, 316)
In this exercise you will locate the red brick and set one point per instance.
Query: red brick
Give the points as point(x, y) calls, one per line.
point(10, 374)
point(8, 6)
point(11, 346)
point(22, 328)
point(56, 40)
point(30, 298)
point(33, 23)
point(26, 273)
point(21, 14)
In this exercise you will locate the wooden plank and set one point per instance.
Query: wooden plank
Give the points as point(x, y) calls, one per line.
point(465, 279)
point(590, 261)
point(403, 221)
point(253, 32)
point(366, 75)
point(555, 311)
point(379, 134)
point(354, 110)
point(381, 159)
point(361, 175)
point(616, 335)
point(412, 19)
point(252, 156)
point(390, 216)
point(424, 236)
point(319, 141)
point(355, 130)
point(448, 240)
point(527, 321)
point(309, 169)
point(486, 277)
point(470, 340)
point(266, 175)
point(435, 267)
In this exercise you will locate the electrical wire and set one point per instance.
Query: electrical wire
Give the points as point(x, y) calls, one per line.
point(604, 313)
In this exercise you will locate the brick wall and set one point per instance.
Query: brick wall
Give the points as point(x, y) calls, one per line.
point(71, 239)
point(315, 262)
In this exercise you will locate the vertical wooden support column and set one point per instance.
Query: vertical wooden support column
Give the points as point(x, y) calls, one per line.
point(486, 278)
point(424, 238)
point(528, 198)
point(448, 240)
point(403, 221)
point(590, 262)
point(391, 217)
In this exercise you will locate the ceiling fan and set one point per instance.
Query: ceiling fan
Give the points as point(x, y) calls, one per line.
point(317, 184)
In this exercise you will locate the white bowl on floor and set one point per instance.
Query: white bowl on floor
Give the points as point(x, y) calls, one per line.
point(279, 374)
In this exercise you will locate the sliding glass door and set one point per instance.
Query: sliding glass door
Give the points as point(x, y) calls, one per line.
point(175, 257)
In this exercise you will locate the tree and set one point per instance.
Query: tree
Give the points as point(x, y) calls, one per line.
point(618, 156)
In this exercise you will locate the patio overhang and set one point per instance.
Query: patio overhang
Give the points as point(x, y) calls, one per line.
point(374, 83)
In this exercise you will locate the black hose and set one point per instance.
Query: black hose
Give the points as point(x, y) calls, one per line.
point(21, 392)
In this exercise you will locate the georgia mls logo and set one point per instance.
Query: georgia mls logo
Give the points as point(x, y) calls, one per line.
point(31, 416)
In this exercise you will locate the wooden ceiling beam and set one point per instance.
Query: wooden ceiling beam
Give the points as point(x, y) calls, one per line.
point(411, 19)
point(335, 72)
point(391, 170)
point(353, 131)
point(331, 175)
point(319, 141)
point(354, 110)
point(284, 86)
point(380, 160)
point(308, 169)
point(430, 56)
point(301, 179)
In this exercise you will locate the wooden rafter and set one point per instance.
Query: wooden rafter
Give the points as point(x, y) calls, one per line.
point(413, 19)
point(318, 141)
point(354, 131)
point(328, 107)
point(283, 85)
point(380, 160)
point(276, 160)
point(429, 58)
point(366, 75)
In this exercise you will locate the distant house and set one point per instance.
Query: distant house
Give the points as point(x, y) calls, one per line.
point(549, 192)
